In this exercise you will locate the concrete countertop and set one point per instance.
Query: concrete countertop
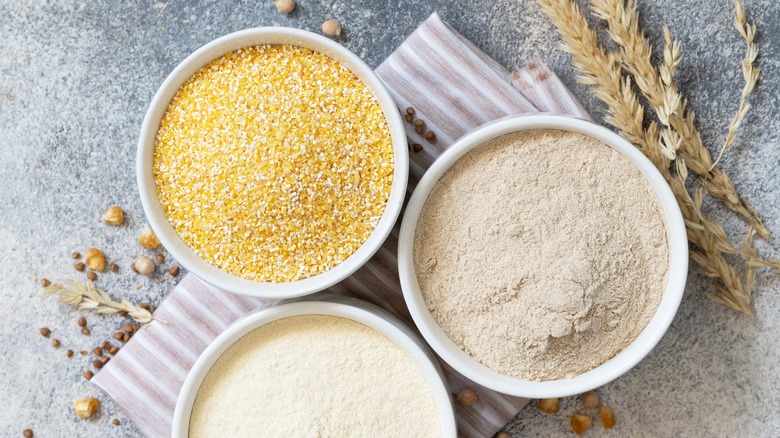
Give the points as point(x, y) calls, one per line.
point(75, 80)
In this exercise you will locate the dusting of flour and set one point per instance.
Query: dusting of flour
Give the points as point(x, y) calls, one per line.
point(314, 376)
point(542, 254)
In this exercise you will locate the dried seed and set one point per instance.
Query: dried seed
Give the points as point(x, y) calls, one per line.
point(85, 331)
point(95, 259)
point(86, 407)
point(549, 405)
point(69, 353)
point(580, 423)
point(88, 375)
point(91, 276)
point(409, 118)
point(331, 28)
point(174, 271)
point(152, 309)
point(144, 305)
point(410, 111)
point(144, 265)
point(79, 266)
point(113, 350)
point(45, 332)
point(83, 352)
point(114, 216)
point(159, 258)
point(126, 338)
point(122, 313)
point(607, 417)
point(128, 328)
point(104, 360)
point(27, 433)
point(45, 282)
point(430, 136)
point(148, 239)
point(285, 6)
point(113, 267)
point(105, 345)
point(502, 434)
point(82, 322)
point(118, 336)
point(55, 342)
point(590, 400)
point(467, 397)
point(75, 255)
point(417, 147)
point(115, 422)
point(98, 351)
point(132, 267)
point(136, 328)
point(419, 126)
point(97, 364)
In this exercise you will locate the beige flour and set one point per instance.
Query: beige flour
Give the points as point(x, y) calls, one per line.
point(314, 376)
point(542, 254)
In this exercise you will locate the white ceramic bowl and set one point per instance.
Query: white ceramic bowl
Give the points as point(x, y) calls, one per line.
point(345, 307)
point(146, 185)
point(600, 375)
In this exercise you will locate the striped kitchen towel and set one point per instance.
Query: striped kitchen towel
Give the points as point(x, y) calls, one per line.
point(454, 87)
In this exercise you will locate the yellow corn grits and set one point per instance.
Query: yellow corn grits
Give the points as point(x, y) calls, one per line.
point(273, 163)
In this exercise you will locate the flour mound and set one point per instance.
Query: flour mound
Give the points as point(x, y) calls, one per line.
point(542, 254)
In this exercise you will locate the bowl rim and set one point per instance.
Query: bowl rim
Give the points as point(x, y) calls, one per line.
point(345, 307)
point(614, 367)
point(146, 141)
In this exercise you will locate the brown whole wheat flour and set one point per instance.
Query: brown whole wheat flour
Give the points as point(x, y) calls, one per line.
point(542, 254)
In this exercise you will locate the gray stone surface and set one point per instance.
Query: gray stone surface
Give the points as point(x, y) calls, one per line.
point(75, 79)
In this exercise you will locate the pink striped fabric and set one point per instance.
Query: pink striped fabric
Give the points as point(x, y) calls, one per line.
point(454, 87)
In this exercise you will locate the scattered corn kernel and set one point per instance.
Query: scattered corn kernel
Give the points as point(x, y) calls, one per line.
point(86, 407)
point(95, 259)
point(114, 216)
point(607, 417)
point(148, 239)
point(549, 405)
point(274, 163)
point(580, 423)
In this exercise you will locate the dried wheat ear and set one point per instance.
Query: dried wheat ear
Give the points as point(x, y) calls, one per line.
point(668, 136)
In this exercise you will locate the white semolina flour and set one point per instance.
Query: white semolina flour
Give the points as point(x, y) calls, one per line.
point(542, 254)
point(314, 376)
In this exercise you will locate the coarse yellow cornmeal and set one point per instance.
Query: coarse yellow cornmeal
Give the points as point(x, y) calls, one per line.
point(273, 163)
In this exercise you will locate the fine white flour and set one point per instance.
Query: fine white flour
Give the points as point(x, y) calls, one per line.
point(314, 376)
point(542, 254)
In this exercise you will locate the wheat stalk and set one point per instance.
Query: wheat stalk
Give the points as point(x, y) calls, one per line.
point(665, 100)
point(750, 73)
point(707, 253)
point(85, 296)
point(602, 71)
point(660, 90)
